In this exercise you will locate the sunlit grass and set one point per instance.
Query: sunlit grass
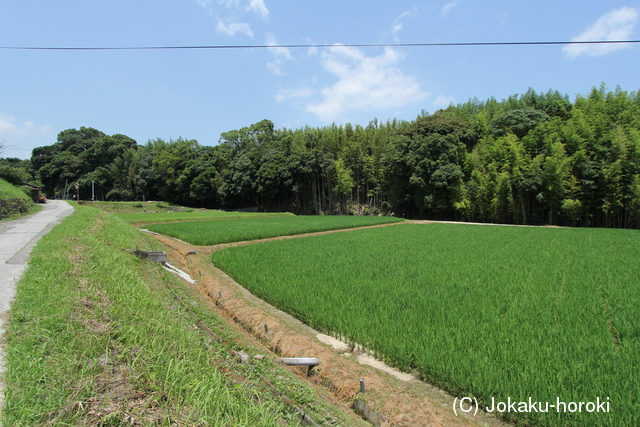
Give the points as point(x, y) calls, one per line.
point(192, 216)
point(482, 311)
point(215, 232)
point(94, 330)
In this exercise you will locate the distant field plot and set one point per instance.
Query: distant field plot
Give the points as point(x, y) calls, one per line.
point(545, 314)
point(205, 233)
point(154, 217)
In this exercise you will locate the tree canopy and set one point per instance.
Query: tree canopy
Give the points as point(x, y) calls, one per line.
point(535, 158)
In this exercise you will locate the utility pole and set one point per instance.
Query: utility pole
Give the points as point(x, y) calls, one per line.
point(93, 192)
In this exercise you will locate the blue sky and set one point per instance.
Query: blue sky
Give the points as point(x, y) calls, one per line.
point(198, 94)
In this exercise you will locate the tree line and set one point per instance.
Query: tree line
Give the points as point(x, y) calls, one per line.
point(535, 158)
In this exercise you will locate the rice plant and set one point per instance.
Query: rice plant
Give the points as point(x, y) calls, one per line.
point(483, 311)
point(193, 215)
point(205, 233)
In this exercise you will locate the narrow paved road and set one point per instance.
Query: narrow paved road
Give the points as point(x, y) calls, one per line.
point(17, 238)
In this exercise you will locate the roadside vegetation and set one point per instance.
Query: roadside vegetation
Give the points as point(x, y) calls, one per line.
point(208, 233)
point(14, 201)
point(481, 311)
point(98, 337)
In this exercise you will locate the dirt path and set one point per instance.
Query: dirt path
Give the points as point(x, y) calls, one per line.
point(400, 402)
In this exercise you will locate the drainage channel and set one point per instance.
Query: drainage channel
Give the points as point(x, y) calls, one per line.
point(305, 419)
point(359, 406)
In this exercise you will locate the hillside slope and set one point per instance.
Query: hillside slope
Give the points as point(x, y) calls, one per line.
point(13, 201)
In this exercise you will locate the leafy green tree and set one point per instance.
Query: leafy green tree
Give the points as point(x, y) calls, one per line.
point(519, 122)
point(344, 183)
point(75, 157)
point(425, 164)
point(556, 172)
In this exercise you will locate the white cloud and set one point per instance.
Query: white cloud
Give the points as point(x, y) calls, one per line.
point(232, 28)
point(398, 24)
point(285, 94)
point(10, 127)
point(231, 4)
point(237, 9)
point(311, 51)
point(365, 83)
point(22, 136)
point(450, 5)
point(259, 7)
point(206, 5)
point(280, 54)
point(615, 25)
point(6, 124)
point(444, 101)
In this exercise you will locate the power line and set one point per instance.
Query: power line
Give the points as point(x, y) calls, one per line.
point(296, 46)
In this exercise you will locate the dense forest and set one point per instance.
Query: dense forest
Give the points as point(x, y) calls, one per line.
point(536, 158)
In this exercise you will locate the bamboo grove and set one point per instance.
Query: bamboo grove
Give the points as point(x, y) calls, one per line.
point(536, 158)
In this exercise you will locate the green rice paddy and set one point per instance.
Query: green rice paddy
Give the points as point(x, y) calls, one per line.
point(153, 217)
point(481, 311)
point(205, 233)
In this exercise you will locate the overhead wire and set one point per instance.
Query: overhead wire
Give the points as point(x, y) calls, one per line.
point(295, 46)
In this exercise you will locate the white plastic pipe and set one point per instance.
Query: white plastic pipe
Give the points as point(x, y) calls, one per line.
point(308, 361)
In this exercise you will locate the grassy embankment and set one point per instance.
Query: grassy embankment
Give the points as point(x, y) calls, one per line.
point(153, 212)
point(210, 215)
point(485, 311)
point(216, 232)
point(14, 202)
point(96, 336)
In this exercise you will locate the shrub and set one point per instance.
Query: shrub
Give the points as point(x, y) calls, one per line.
point(13, 207)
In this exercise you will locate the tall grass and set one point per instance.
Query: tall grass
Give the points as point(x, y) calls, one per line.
point(93, 340)
point(215, 232)
point(481, 311)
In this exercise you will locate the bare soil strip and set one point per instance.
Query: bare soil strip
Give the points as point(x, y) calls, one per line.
point(411, 403)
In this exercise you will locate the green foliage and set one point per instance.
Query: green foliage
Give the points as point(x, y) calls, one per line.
point(528, 159)
point(205, 233)
point(13, 200)
point(13, 175)
point(83, 156)
point(425, 166)
point(519, 122)
point(484, 311)
point(9, 191)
